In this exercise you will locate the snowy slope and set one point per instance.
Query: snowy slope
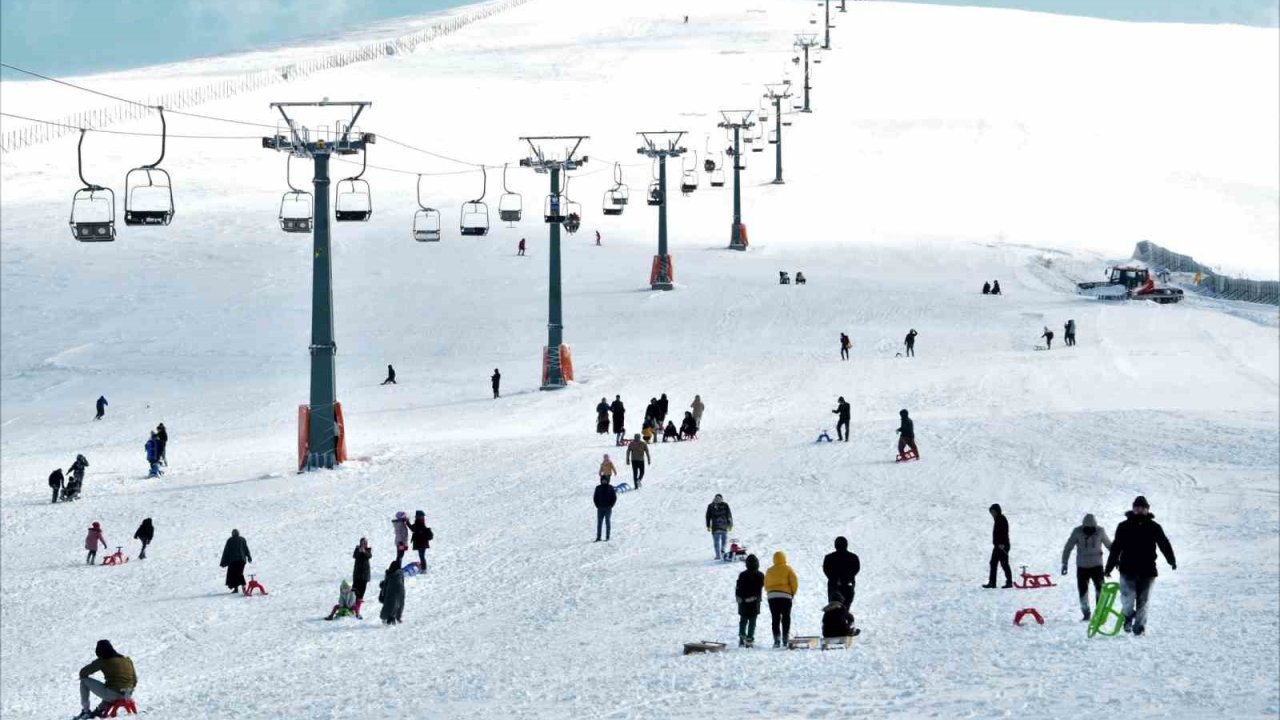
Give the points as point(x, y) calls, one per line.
point(948, 146)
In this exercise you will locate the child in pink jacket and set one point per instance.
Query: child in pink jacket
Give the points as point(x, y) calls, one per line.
point(91, 541)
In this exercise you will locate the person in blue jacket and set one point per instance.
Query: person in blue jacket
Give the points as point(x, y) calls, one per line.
point(153, 455)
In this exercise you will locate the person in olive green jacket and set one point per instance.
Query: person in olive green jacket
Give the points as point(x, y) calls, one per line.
point(117, 671)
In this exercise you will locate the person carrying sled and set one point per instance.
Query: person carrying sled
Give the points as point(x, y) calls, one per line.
point(747, 592)
point(911, 343)
point(842, 422)
point(602, 417)
point(391, 376)
point(401, 525)
point(235, 555)
point(421, 537)
point(391, 594)
point(360, 574)
point(495, 379)
point(841, 568)
point(999, 547)
point(781, 585)
point(101, 405)
point(719, 524)
point(55, 483)
point(845, 344)
point(91, 542)
point(697, 407)
point(1087, 539)
point(986, 288)
point(906, 434)
point(637, 456)
point(1069, 333)
point(346, 601)
point(619, 412)
point(1138, 537)
point(144, 534)
point(688, 427)
point(152, 448)
point(119, 679)
point(670, 432)
point(604, 499)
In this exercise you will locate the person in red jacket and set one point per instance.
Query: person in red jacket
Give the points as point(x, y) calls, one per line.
point(91, 541)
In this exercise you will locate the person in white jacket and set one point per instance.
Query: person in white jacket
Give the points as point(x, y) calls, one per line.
point(1087, 540)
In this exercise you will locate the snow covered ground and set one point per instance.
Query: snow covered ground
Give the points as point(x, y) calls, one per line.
point(948, 146)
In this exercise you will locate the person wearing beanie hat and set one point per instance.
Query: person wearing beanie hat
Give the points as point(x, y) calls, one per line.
point(346, 601)
point(719, 523)
point(1087, 539)
point(907, 434)
point(1138, 537)
point(999, 547)
point(422, 537)
point(119, 679)
point(748, 591)
point(401, 524)
point(605, 498)
point(91, 541)
point(842, 419)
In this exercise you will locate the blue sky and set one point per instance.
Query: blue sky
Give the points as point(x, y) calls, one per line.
point(1261, 13)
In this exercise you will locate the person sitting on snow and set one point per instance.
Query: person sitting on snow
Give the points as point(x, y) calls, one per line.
point(670, 432)
point(346, 602)
point(837, 621)
point(688, 427)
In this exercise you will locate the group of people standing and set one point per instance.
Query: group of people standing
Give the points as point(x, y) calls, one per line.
point(655, 422)
point(779, 586)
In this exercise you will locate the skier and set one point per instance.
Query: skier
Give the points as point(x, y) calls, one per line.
point(719, 523)
point(842, 424)
point(748, 590)
point(670, 432)
point(597, 237)
point(663, 406)
point(911, 343)
point(619, 416)
point(1069, 333)
point(1087, 539)
point(697, 407)
point(235, 555)
point(999, 548)
point(1134, 552)
point(391, 376)
point(346, 601)
point(421, 538)
point(152, 448)
point(607, 471)
point(520, 247)
point(605, 498)
point(781, 584)
point(637, 456)
point(841, 568)
point(55, 482)
point(360, 572)
point(995, 287)
point(1048, 338)
point(162, 438)
point(102, 407)
point(688, 427)
point(91, 540)
point(391, 594)
point(986, 288)
point(495, 380)
point(145, 532)
point(906, 434)
point(401, 524)
point(602, 417)
point(118, 680)
point(844, 346)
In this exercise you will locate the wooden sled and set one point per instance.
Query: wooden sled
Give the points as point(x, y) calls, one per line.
point(704, 646)
point(804, 642)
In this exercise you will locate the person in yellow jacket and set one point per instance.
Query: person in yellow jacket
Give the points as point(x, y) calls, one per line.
point(607, 471)
point(780, 586)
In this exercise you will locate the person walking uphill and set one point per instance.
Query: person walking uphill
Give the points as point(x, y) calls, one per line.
point(55, 482)
point(748, 590)
point(91, 542)
point(1087, 539)
point(911, 343)
point(697, 407)
point(495, 379)
point(391, 376)
point(152, 448)
point(619, 412)
point(145, 532)
point(101, 406)
point(391, 594)
point(605, 498)
point(602, 417)
point(235, 555)
point(607, 470)
point(162, 438)
point(841, 568)
point(118, 680)
point(421, 537)
point(719, 523)
point(637, 456)
point(781, 585)
point(1138, 537)
point(844, 346)
point(999, 547)
point(842, 421)
point(907, 434)
point(360, 574)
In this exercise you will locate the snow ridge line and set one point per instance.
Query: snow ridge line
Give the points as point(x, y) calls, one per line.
point(122, 112)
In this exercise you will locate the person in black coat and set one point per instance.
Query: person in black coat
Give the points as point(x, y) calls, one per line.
point(663, 405)
point(391, 376)
point(391, 594)
point(999, 548)
point(1133, 550)
point(688, 427)
point(101, 406)
point(235, 555)
point(420, 537)
point(995, 287)
point(360, 574)
point(837, 621)
point(145, 532)
point(619, 412)
point(55, 483)
point(841, 568)
point(911, 343)
point(495, 379)
point(842, 422)
point(602, 417)
point(162, 441)
point(907, 434)
point(986, 288)
point(605, 498)
point(749, 590)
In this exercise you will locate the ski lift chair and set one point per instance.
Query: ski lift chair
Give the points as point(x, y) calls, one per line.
point(510, 204)
point(717, 178)
point(474, 219)
point(148, 192)
point(573, 217)
point(426, 225)
point(611, 206)
point(353, 201)
point(621, 195)
point(296, 212)
point(688, 182)
point(773, 136)
point(93, 207)
point(654, 196)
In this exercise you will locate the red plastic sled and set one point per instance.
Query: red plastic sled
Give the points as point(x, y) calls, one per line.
point(126, 704)
point(1034, 582)
point(1027, 612)
point(907, 455)
point(253, 583)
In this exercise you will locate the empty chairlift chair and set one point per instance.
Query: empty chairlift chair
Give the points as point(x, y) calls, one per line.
point(148, 192)
point(297, 207)
point(473, 219)
point(353, 199)
point(616, 197)
point(510, 205)
point(426, 221)
point(717, 175)
point(93, 207)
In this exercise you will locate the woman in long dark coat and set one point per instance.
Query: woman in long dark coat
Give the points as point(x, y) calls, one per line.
point(421, 537)
point(235, 554)
point(391, 594)
point(360, 574)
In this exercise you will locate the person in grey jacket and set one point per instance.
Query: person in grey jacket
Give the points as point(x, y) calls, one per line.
point(1087, 540)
